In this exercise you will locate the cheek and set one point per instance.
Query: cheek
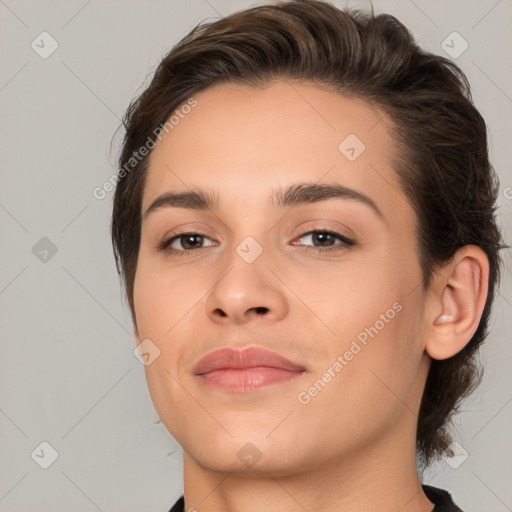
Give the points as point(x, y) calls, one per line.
point(373, 382)
point(353, 295)
point(164, 298)
point(374, 315)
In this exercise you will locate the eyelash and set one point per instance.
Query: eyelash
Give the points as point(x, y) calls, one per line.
point(164, 246)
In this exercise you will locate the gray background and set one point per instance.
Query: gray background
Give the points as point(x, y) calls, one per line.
point(68, 375)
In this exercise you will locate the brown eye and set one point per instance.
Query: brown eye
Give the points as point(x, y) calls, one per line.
point(326, 240)
point(183, 243)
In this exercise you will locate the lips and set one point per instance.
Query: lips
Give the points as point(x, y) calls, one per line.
point(250, 357)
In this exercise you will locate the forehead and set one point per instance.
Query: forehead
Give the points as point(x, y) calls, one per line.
point(246, 141)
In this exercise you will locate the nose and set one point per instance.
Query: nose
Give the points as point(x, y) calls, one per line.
point(247, 292)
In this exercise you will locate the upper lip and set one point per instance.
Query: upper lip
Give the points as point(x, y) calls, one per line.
point(248, 357)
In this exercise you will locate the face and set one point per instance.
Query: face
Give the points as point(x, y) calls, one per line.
point(327, 278)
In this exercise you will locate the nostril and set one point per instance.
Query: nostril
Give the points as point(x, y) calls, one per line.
point(261, 310)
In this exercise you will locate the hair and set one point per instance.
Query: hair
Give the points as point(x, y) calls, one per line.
point(442, 161)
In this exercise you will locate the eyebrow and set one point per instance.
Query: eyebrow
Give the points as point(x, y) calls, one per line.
point(298, 194)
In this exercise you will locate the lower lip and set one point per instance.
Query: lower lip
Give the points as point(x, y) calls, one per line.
point(247, 379)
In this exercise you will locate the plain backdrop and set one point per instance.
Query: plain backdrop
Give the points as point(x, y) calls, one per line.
point(68, 375)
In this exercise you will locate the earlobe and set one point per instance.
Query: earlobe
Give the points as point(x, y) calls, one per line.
point(458, 297)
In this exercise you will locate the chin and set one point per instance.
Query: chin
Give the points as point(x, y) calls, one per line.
point(222, 463)
point(248, 456)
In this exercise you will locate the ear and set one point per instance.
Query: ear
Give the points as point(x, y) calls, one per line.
point(456, 301)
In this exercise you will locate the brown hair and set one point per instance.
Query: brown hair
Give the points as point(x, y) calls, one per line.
point(442, 162)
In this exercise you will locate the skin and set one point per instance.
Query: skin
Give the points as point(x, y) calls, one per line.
point(352, 447)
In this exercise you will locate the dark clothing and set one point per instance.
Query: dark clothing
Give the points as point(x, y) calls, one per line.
point(439, 497)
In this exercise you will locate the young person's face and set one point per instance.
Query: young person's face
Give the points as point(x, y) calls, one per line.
point(360, 305)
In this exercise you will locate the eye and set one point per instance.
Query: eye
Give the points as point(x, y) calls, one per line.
point(328, 238)
point(190, 242)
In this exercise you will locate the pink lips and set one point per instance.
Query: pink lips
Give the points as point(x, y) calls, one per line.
point(245, 370)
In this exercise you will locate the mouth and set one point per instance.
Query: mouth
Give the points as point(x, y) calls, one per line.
point(247, 379)
point(245, 370)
